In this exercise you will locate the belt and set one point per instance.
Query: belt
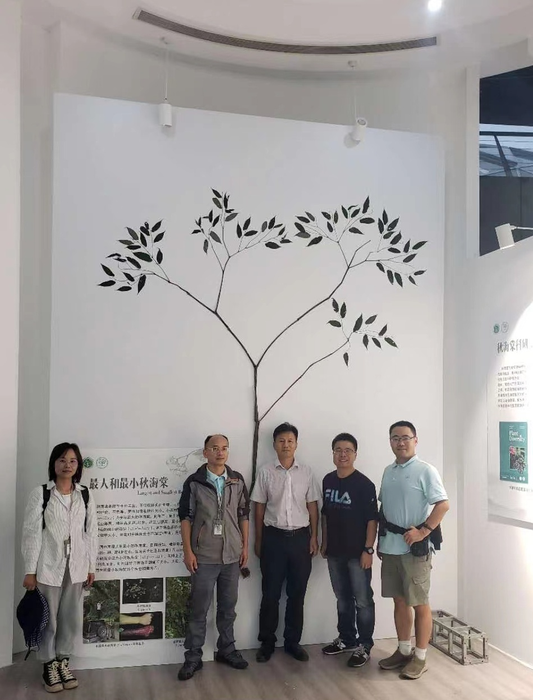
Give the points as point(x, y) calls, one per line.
point(287, 533)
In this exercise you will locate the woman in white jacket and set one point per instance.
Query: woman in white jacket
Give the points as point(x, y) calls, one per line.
point(59, 546)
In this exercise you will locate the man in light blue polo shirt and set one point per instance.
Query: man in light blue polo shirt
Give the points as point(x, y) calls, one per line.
point(413, 502)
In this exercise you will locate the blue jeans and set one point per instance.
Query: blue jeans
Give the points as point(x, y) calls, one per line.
point(355, 601)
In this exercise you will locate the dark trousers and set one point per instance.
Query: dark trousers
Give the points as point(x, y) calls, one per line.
point(355, 601)
point(285, 556)
point(226, 577)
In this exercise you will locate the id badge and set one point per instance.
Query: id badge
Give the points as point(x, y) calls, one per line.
point(217, 528)
point(66, 544)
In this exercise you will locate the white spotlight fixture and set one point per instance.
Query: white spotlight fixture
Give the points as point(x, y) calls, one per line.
point(434, 5)
point(360, 124)
point(504, 233)
point(165, 108)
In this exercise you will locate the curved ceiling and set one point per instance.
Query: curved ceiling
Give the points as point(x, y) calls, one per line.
point(315, 22)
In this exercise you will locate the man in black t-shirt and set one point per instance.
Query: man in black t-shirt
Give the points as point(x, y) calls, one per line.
point(349, 527)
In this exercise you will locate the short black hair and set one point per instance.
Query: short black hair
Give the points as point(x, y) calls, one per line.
point(403, 424)
point(285, 428)
point(58, 452)
point(213, 435)
point(344, 437)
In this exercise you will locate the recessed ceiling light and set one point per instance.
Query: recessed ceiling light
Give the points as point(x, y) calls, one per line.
point(434, 5)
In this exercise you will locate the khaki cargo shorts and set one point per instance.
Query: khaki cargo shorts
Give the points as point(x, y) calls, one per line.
point(406, 576)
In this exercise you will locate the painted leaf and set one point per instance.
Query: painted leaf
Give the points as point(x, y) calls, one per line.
point(159, 256)
point(239, 231)
point(355, 230)
point(271, 244)
point(370, 320)
point(335, 305)
point(298, 226)
point(346, 358)
point(250, 233)
point(108, 271)
point(367, 220)
point(406, 247)
point(412, 280)
point(217, 203)
point(336, 217)
point(303, 234)
point(264, 226)
point(159, 237)
point(397, 238)
point(380, 267)
point(366, 205)
point(124, 289)
point(393, 224)
point(419, 272)
point(326, 215)
point(381, 226)
point(311, 217)
point(216, 193)
point(344, 212)
point(365, 341)
point(134, 262)
point(358, 324)
point(383, 330)
point(196, 230)
point(215, 237)
point(157, 226)
point(206, 245)
point(390, 276)
point(376, 342)
point(215, 220)
point(394, 250)
point(143, 256)
point(330, 227)
point(409, 258)
point(419, 245)
point(107, 283)
point(247, 223)
point(343, 311)
point(385, 217)
point(129, 277)
point(303, 218)
point(390, 341)
point(145, 229)
point(315, 241)
point(272, 222)
point(143, 240)
point(230, 217)
point(141, 283)
point(286, 240)
point(398, 279)
point(337, 324)
point(132, 233)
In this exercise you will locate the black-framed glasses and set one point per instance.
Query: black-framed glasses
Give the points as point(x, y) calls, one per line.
point(347, 451)
point(403, 438)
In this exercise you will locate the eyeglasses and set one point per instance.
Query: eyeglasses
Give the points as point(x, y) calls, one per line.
point(217, 449)
point(404, 438)
point(71, 461)
point(347, 451)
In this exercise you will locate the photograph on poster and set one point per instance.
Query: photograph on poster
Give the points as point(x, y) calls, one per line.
point(141, 626)
point(142, 590)
point(178, 590)
point(513, 452)
point(101, 609)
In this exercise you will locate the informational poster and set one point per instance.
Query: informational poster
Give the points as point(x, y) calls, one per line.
point(136, 611)
point(510, 491)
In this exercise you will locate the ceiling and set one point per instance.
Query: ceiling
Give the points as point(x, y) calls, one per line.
point(463, 27)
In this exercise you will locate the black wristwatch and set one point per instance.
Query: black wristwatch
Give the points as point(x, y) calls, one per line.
point(369, 550)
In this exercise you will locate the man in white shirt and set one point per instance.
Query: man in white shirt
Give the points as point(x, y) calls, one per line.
point(286, 521)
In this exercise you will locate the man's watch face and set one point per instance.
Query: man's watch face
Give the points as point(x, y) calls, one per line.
point(369, 550)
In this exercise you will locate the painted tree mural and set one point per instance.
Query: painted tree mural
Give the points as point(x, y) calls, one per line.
point(361, 238)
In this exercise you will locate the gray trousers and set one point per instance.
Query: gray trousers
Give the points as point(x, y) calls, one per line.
point(65, 616)
point(226, 577)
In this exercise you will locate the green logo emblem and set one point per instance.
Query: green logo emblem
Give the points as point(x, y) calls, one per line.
point(496, 328)
point(88, 463)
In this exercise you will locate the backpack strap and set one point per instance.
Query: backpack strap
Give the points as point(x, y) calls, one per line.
point(46, 498)
point(85, 496)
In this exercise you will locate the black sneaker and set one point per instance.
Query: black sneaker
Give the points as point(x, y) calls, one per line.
point(234, 659)
point(68, 679)
point(188, 669)
point(359, 657)
point(51, 678)
point(338, 647)
point(296, 651)
point(264, 653)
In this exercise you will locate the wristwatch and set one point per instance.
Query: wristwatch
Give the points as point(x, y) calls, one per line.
point(369, 550)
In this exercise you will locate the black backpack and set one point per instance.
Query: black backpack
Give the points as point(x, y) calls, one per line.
point(84, 494)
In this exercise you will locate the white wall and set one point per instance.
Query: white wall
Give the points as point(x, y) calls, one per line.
point(9, 305)
point(71, 60)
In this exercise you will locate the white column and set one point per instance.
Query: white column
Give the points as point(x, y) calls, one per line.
point(10, 25)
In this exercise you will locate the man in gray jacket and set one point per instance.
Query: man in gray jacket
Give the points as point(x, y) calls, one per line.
point(213, 510)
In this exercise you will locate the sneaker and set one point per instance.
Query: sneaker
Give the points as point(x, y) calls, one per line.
point(234, 659)
point(68, 679)
point(397, 660)
point(359, 657)
point(51, 678)
point(188, 669)
point(337, 646)
point(414, 669)
point(264, 653)
point(296, 651)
